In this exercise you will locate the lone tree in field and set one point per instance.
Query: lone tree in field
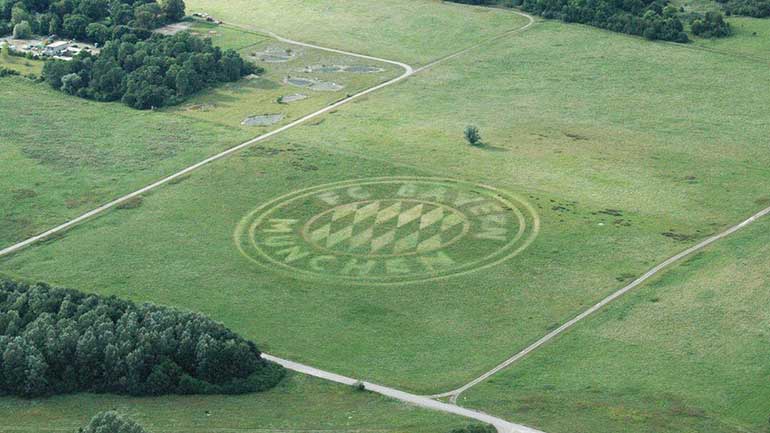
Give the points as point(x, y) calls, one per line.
point(472, 135)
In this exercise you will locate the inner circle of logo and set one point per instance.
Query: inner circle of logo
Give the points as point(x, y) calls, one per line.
point(387, 230)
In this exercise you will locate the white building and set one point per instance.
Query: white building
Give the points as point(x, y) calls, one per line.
point(56, 48)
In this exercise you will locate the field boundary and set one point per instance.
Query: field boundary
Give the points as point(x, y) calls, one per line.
point(454, 394)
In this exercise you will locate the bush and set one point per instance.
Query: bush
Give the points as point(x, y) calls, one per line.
point(111, 422)
point(56, 341)
point(472, 135)
point(475, 428)
point(5, 72)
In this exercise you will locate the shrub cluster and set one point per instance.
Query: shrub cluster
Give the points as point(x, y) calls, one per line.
point(6, 72)
point(653, 19)
point(475, 428)
point(159, 71)
point(92, 20)
point(111, 422)
point(55, 341)
point(711, 25)
point(751, 8)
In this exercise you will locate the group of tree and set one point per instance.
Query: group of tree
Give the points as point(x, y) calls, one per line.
point(56, 341)
point(653, 19)
point(711, 25)
point(111, 422)
point(751, 8)
point(150, 73)
point(88, 20)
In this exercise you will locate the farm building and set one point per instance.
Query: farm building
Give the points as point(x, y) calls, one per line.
point(56, 48)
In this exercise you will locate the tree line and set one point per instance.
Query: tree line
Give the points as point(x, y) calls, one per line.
point(57, 341)
point(150, 73)
point(86, 20)
point(751, 8)
point(652, 19)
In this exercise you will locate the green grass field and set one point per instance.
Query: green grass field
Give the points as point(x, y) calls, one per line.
point(751, 38)
point(299, 404)
point(687, 353)
point(616, 151)
point(395, 30)
point(88, 153)
point(22, 65)
point(229, 104)
point(590, 147)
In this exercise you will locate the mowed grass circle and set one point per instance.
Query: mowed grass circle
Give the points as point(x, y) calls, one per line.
point(388, 230)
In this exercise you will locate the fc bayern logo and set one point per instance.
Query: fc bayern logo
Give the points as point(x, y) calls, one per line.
point(388, 230)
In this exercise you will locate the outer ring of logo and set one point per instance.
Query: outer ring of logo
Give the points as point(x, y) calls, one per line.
point(527, 218)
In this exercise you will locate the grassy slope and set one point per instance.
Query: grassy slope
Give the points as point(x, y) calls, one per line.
point(629, 125)
point(395, 29)
point(751, 37)
point(21, 65)
point(65, 155)
point(300, 403)
point(687, 353)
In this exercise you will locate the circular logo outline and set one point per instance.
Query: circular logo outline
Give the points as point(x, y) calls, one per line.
point(249, 223)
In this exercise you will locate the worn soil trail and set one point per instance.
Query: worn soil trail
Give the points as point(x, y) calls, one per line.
point(501, 425)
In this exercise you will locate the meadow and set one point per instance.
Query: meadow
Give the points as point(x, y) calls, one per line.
point(626, 151)
point(22, 65)
point(64, 156)
point(300, 403)
point(592, 147)
point(686, 353)
point(394, 30)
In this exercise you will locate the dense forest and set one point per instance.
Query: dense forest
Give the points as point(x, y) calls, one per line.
point(91, 20)
point(55, 341)
point(155, 72)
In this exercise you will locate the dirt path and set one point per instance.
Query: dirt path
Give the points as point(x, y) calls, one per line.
point(501, 425)
point(561, 329)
